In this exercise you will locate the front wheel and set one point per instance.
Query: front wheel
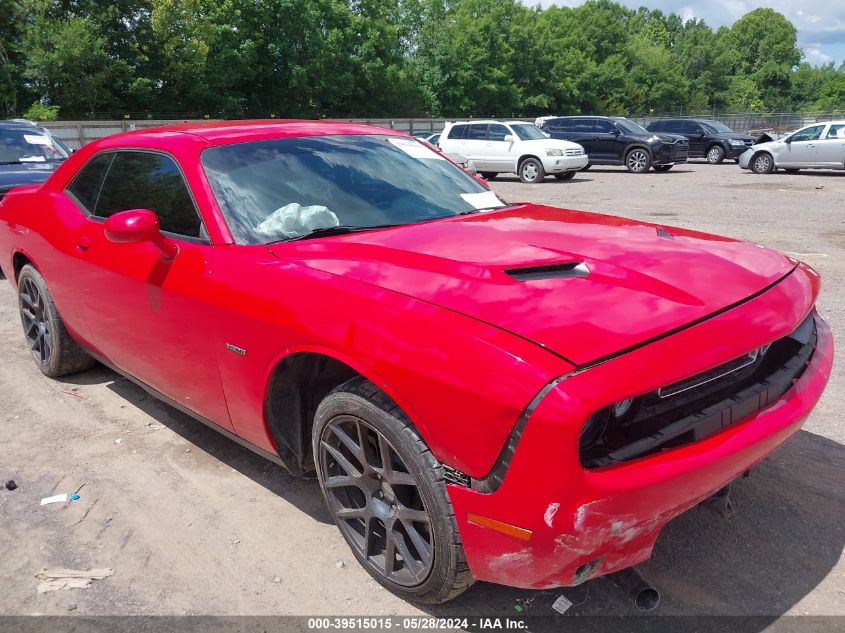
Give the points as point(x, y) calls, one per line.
point(489, 175)
point(586, 167)
point(531, 170)
point(715, 155)
point(638, 161)
point(663, 167)
point(55, 352)
point(567, 175)
point(763, 163)
point(387, 494)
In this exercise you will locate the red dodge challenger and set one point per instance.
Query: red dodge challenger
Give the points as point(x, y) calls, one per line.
point(504, 392)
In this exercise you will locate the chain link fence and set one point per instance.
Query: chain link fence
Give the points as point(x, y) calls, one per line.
point(75, 134)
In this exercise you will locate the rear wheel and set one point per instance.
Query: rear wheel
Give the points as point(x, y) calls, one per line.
point(567, 175)
point(663, 167)
point(763, 163)
point(489, 175)
point(531, 170)
point(638, 161)
point(53, 349)
point(387, 494)
point(715, 155)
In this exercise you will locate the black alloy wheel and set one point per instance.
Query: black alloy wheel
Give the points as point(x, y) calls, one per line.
point(379, 508)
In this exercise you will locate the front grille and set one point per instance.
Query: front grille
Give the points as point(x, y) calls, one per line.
point(695, 408)
point(748, 142)
point(575, 152)
point(680, 151)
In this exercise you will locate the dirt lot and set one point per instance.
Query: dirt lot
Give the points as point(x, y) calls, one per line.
point(192, 523)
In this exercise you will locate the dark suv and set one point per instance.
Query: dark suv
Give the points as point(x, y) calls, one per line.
point(28, 154)
point(707, 139)
point(619, 141)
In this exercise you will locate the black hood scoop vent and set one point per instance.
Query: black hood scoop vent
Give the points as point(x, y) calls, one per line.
point(549, 271)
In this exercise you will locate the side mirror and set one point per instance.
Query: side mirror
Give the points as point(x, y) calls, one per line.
point(616, 131)
point(508, 138)
point(787, 140)
point(139, 225)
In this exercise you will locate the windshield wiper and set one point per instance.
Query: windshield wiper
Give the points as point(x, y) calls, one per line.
point(335, 230)
point(11, 162)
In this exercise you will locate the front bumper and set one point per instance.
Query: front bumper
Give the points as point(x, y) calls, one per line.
point(670, 154)
point(735, 151)
point(587, 523)
point(561, 164)
point(745, 158)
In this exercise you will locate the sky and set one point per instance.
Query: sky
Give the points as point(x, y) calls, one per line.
point(820, 23)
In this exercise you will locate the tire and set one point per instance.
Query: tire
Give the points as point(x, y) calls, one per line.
point(531, 170)
point(567, 175)
point(55, 352)
point(638, 160)
point(586, 167)
point(368, 418)
point(489, 175)
point(762, 163)
point(662, 167)
point(715, 155)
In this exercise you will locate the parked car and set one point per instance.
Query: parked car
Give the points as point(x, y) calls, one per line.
point(619, 141)
point(511, 393)
point(28, 154)
point(707, 139)
point(513, 147)
point(815, 146)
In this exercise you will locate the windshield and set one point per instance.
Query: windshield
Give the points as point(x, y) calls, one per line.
point(283, 189)
point(528, 132)
point(716, 127)
point(28, 145)
point(630, 127)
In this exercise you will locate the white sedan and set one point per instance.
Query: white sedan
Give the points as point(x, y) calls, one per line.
point(816, 146)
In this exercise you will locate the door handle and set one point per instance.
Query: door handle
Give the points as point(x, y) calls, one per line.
point(83, 243)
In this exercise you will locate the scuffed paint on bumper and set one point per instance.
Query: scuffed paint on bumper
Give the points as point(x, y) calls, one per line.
point(587, 523)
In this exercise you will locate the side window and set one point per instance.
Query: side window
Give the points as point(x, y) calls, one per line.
point(690, 127)
point(477, 132)
point(582, 125)
point(810, 134)
point(143, 180)
point(604, 127)
point(836, 131)
point(659, 126)
point(560, 125)
point(457, 131)
point(497, 132)
point(86, 186)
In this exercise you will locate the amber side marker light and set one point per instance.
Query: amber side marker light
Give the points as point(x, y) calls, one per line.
point(505, 528)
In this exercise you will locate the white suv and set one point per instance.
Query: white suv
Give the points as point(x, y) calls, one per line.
point(513, 147)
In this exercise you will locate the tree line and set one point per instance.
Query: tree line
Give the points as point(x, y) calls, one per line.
point(403, 58)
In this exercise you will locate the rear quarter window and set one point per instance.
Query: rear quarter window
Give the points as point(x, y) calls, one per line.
point(86, 185)
point(457, 131)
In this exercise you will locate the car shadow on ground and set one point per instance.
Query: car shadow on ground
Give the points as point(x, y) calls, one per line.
point(784, 537)
point(302, 492)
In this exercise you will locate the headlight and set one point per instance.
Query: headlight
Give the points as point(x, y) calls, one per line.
point(551, 151)
point(737, 141)
point(653, 139)
point(593, 431)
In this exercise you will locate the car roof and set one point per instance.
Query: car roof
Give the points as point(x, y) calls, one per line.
point(225, 132)
point(20, 125)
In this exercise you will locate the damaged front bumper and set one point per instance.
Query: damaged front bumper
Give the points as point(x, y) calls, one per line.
point(579, 523)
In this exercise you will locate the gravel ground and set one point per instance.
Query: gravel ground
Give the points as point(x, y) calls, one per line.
point(192, 523)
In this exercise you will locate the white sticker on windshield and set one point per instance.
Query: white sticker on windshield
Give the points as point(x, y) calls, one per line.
point(36, 139)
point(483, 200)
point(31, 159)
point(415, 148)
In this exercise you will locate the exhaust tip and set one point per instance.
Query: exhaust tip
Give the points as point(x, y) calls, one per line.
point(647, 599)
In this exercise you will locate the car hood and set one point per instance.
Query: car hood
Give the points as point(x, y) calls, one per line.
point(729, 135)
point(24, 174)
point(542, 143)
point(582, 285)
